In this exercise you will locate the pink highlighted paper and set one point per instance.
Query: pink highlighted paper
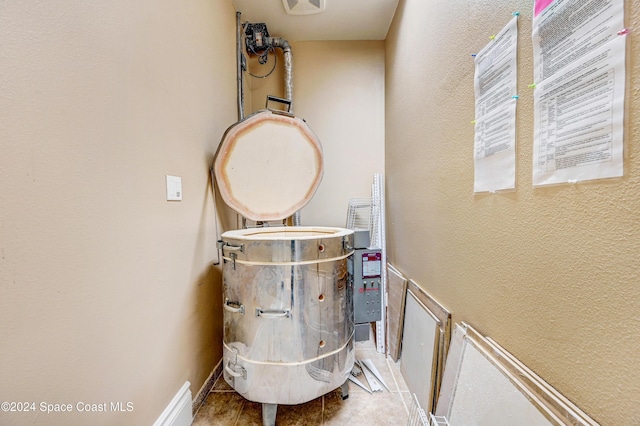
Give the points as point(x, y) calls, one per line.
point(540, 6)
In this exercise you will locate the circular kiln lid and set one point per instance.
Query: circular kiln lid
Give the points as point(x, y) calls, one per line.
point(268, 166)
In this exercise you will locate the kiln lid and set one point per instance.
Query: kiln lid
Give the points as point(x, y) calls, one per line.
point(268, 166)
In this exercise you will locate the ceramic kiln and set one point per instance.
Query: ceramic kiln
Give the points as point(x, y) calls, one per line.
point(288, 302)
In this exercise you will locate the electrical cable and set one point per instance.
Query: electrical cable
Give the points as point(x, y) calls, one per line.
point(263, 59)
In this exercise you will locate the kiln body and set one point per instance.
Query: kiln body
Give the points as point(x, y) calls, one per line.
point(288, 320)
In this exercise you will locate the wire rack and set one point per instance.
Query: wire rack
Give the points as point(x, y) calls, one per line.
point(378, 230)
point(359, 214)
point(418, 417)
point(438, 420)
point(376, 211)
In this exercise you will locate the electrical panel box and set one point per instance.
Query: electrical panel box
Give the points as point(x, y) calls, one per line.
point(365, 269)
point(256, 38)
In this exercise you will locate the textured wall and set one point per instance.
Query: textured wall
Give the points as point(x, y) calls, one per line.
point(551, 273)
point(106, 289)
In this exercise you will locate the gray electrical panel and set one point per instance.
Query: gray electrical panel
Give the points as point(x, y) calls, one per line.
point(365, 269)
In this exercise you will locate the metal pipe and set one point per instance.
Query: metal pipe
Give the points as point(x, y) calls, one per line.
point(288, 66)
point(239, 67)
point(239, 80)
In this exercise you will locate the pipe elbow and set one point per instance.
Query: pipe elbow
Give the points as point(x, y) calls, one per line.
point(279, 42)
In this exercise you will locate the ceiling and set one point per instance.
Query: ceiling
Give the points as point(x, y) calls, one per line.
point(341, 20)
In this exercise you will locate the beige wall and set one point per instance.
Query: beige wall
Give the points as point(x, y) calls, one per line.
point(338, 88)
point(551, 273)
point(107, 293)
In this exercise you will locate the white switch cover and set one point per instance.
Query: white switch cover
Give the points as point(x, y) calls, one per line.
point(174, 188)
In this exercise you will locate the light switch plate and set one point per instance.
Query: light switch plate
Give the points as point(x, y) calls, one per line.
point(174, 188)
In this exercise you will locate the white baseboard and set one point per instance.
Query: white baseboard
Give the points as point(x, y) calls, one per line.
point(178, 412)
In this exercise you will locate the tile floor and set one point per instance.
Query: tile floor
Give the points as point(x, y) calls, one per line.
point(224, 407)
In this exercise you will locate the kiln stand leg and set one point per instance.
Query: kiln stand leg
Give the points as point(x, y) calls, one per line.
point(344, 389)
point(269, 414)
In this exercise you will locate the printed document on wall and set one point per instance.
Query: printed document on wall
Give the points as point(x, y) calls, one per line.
point(565, 30)
point(579, 67)
point(495, 83)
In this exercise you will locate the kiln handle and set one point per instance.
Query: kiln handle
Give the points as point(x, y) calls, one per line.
point(228, 247)
point(287, 102)
point(235, 307)
point(222, 245)
point(232, 373)
point(273, 313)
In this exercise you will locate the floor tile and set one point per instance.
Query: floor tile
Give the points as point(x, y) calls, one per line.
point(361, 408)
point(380, 363)
point(309, 413)
point(223, 406)
point(407, 397)
point(397, 374)
point(219, 409)
point(221, 385)
point(251, 414)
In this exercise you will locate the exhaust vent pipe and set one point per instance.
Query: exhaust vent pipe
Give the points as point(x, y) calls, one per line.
point(288, 65)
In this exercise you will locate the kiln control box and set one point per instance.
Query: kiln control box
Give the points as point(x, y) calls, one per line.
point(365, 269)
